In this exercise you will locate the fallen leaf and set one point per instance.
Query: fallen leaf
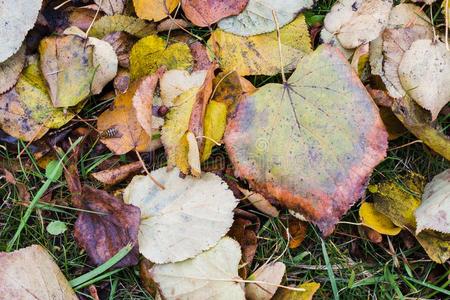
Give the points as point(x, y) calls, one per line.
point(214, 125)
point(116, 175)
point(196, 278)
point(204, 13)
point(260, 202)
point(393, 125)
point(111, 7)
point(331, 39)
point(424, 73)
point(122, 43)
point(67, 66)
point(371, 218)
point(116, 23)
point(150, 53)
point(56, 227)
point(172, 24)
point(417, 120)
point(272, 273)
point(257, 16)
point(360, 59)
point(357, 22)
point(433, 212)
point(122, 81)
point(193, 156)
point(17, 18)
point(10, 69)
point(174, 82)
point(106, 226)
point(297, 230)
point(310, 290)
point(31, 273)
point(200, 56)
point(319, 172)
point(189, 216)
point(259, 55)
point(105, 63)
point(154, 10)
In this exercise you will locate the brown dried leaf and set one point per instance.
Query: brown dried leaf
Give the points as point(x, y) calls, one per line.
point(10, 70)
point(271, 273)
point(207, 12)
point(111, 7)
point(122, 43)
point(116, 175)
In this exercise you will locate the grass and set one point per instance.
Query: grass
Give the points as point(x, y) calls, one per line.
point(345, 264)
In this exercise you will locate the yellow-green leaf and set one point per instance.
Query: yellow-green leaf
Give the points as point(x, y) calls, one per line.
point(371, 218)
point(131, 25)
point(214, 126)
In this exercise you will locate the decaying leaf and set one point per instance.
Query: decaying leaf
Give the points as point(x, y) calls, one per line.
point(433, 212)
point(106, 226)
point(424, 73)
point(150, 53)
point(272, 273)
point(67, 66)
point(371, 218)
point(357, 22)
point(17, 17)
point(331, 39)
point(31, 273)
point(10, 69)
point(174, 82)
point(200, 55)
point(122, 43)
point(310, 290)
point(417, 120)
point(187, 217)
point(130, 25)
point(323, 169)
point(257, 16)
point(259, 55)
point(207, 12)
point(297, 230)
point(105, 63)
point(116, 175)
point(154, 10)
point(111, 7)
point(197, 278)
point(260, 202)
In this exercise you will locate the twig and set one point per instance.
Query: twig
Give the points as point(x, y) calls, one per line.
point(148, 173)
point(283, 76)
point(406, 145)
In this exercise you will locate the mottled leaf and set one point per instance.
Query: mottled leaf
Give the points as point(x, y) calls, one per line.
point(207, 12)
point(111, 7)
point(130, 25)
point(10, 70)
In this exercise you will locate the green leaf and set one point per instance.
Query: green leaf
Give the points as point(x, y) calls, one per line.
point(56, 227)
point(54, 170)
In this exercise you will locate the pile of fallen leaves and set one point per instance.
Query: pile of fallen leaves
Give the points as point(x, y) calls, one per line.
point(308, 144)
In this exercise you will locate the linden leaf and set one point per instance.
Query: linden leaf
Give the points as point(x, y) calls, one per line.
point(271, 273)
point(207, 12)
point(433, 212)
point(31, 273)
point(154, 10)
point(371, 218)
point(336, 138)
point(150, 53)
point(67, 66)
point(130, 25)
point(309, 287)
point(257, 16)
point(187, 217)
point(10, 70)
point(259, 55)
point(197, 278)
point(17, 17)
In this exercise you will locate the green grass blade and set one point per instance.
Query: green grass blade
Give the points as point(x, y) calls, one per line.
point(430, 286)
point(330, 271)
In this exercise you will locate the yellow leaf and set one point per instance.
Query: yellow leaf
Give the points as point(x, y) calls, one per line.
point(131, 25)
point(258, 55)
point(150, 53)
point(154, 10)
point(193, 154)
point(371, 218)
point(310, 290)
point(214, 126)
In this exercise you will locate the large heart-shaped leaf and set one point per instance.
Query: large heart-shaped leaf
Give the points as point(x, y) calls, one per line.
point(311, 142)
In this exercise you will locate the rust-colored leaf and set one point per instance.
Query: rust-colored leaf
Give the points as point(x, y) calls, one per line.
point(207, 12)
point(116, 175)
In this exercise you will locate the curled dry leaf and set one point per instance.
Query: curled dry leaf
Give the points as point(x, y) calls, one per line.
point(424, 73)
point(434, 211)
point(357, 22)
point(193, 156)
point(309, 287)
point(272, 273)
point(187, 217)
point(31, 273)
point(111, 7)
point(323, 170)
point(116, 175)
point(122, 43)
point(17, 18)
point(257, 16)
point(371, 218)
point(10, 69)
point(204, 13)
point(154, 10)
point(259, 55)
point(130, 25)
point(210, 275)
point(260, 202)
point(105, 63)
point(150, 53)
point(106, 226)
point(67, 66)
point(174, 82)
point(297, 230)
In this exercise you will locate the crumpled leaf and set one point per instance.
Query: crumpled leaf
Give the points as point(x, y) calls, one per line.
point(10, 70)
point(417, 120)
point(323, 169)
point(259, 55)
point(424, 73)
point(17, 18)
point(116, 23)
point(257, 16)
point(272, 273)
point(433, 212)
point(150, 53)
point(67, 66)
point(154, 10)
point(174, 82)
point(371, 218)
point(105, 63)
point(194, 278)
point(260, 202)
point(116, 175)
point(187, 217)
point(106, 226)
point(297, 230)
point(357, 22)
point(310, 290)
point(111, 7)
point(207, 12)
point(31, 273)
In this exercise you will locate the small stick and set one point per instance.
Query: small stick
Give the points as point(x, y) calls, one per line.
point(148, 173)
point(279, 45)
point(61, 5)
